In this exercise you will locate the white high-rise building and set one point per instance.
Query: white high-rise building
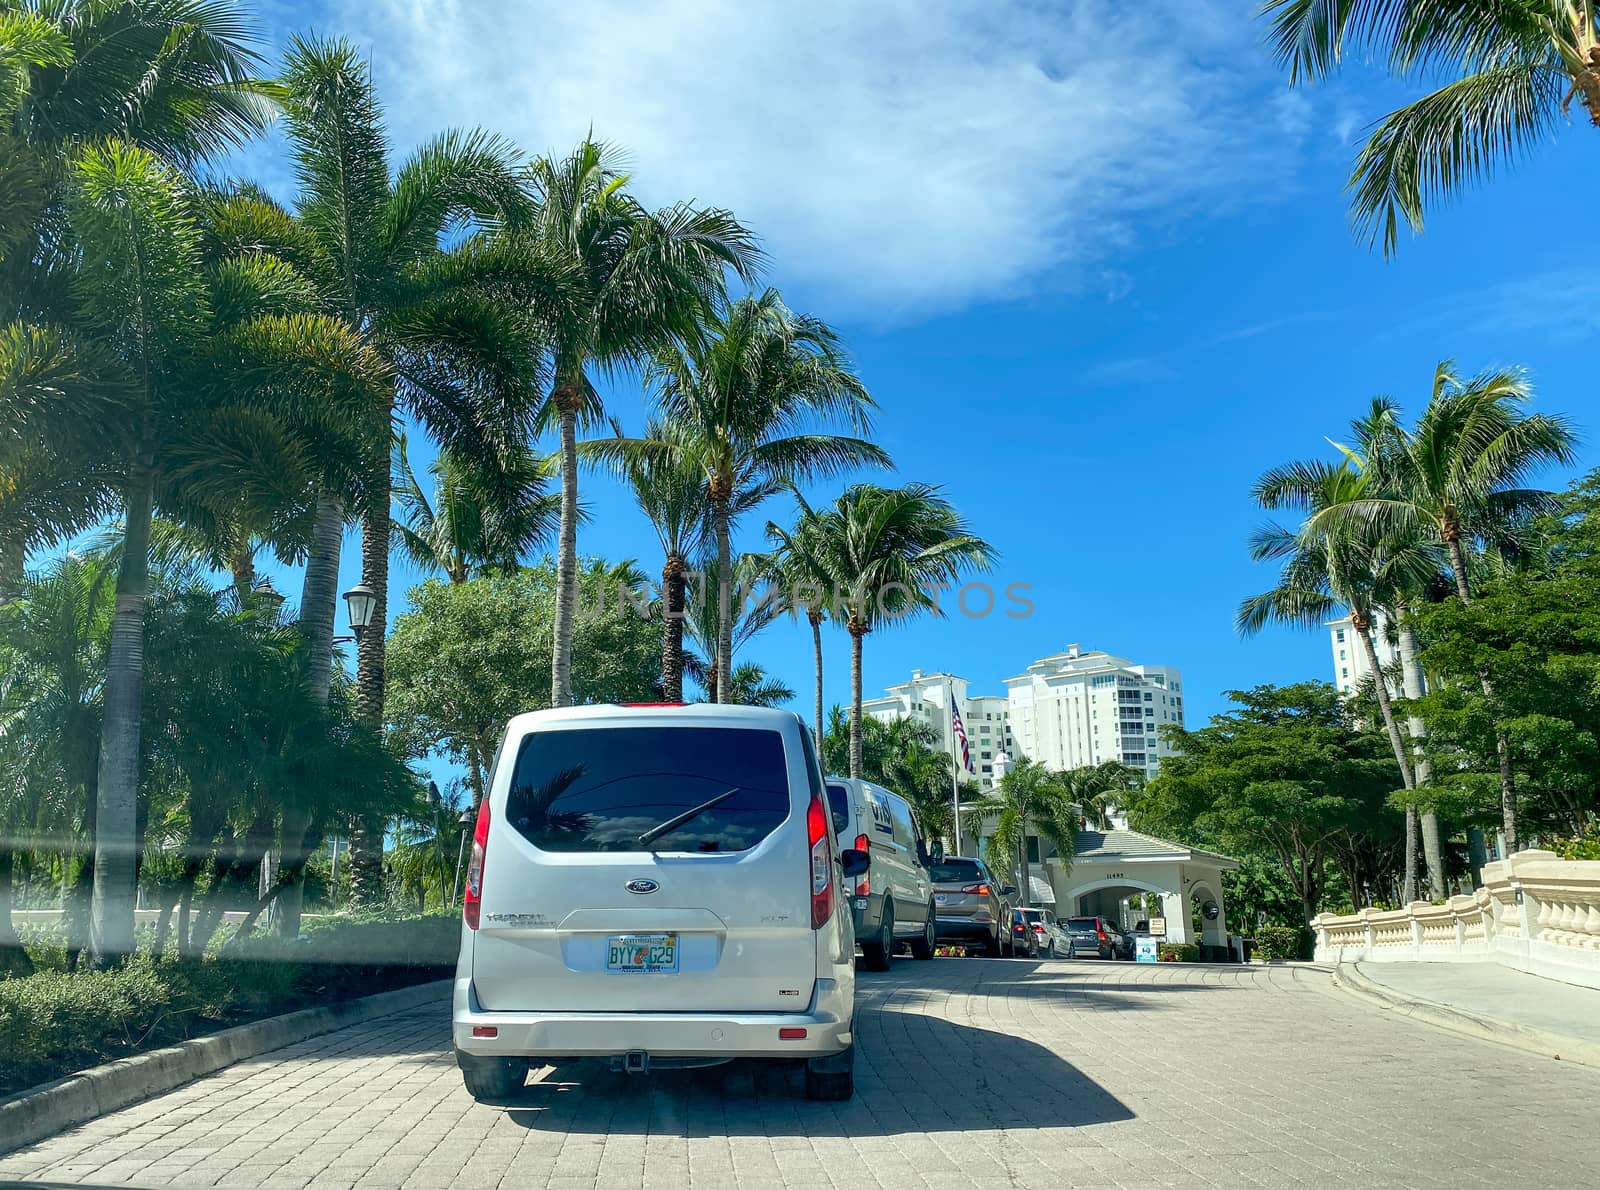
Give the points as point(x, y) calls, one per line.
point(1077, 709)
point(1350, 659)
point(928, 697)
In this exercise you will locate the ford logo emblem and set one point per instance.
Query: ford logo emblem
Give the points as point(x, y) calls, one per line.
point(641, 886)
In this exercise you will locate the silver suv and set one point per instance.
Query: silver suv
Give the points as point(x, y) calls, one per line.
point(893, 902)
point(658, 886)
point(970, 906)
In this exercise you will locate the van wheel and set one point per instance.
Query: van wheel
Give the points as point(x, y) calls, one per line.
point(493, 1080)
point(879, 953)
point(922, 948)
point(832, 1085)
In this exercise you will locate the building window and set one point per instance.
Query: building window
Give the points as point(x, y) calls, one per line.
point(1344, 673)
point(1033, 849)
point(1340, 635)
point(1149, 712)
point(1341, 654)
point(1148, 697)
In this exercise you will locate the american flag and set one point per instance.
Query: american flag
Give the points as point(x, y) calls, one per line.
point(961, 735)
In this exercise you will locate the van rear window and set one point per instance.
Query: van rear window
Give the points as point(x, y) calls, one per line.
point(601, 789)
point(839, 806)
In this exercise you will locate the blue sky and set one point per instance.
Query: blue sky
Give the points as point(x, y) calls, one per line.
point(1093, 264)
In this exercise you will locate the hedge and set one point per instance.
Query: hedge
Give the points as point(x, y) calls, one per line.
point(1179, 952)
point(1278, 942)
point(54, 1022)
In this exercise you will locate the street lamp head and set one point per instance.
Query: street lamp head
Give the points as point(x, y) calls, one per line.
point(267, 597)
point(362, 602)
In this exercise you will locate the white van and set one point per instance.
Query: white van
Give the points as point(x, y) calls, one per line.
point(659, 885)
point(893, 901)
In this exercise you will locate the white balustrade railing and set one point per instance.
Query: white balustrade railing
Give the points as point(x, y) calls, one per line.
point(1535, 912)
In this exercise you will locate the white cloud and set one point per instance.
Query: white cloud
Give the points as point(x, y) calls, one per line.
point(898, 157)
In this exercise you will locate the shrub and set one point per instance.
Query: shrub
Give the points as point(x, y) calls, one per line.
point(1278, 942)
point(1583, 845)
point(1179, 952)
point(54, 1022)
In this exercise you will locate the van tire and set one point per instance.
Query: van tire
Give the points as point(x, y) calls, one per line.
point(922, 948)
point(832, 1085)
point(878, 954)
point(493, 1080)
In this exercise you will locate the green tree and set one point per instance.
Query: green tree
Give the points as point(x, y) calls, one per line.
point(1285, 773)
point(751, 687)
point(626, 282)
point(1348, 566)
point(800, 572)
point(1100, 787)
point(1514, 67)
point(670, 489)
point(738, 398)
point(1458, 479)
point(901, 755)
point(889, 550)
point(468, 656)
point(472, 523)
point(1031, 797)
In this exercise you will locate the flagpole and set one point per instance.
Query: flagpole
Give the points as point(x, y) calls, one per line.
point(955, 764)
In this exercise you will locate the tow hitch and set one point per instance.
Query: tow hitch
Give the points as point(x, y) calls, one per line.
point(635, 1062)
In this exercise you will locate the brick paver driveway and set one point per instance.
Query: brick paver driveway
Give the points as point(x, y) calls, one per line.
point(970, 1073)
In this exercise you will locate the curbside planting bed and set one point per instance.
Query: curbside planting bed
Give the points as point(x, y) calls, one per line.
point(43, 1111)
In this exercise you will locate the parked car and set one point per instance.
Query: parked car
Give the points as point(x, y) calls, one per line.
point(659, 886)
point(1093, 936)
point(892, 902)
point(970, 905)
point(1025, 943)
point(1121, 941)
point(1053, 939)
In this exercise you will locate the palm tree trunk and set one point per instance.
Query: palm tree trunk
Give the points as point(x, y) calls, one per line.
point(816, 647)
point(1502, 745)
point(857, 632)
point(1413, 686)
point(724, 666)
point(319, 594)
point(672, 604)
point(319, 599)
point(1023, 888)
point(117, 808)
point(243, 565)
point(569, 399)
point(1380, 688)
point(366, 835)
point(14, 960)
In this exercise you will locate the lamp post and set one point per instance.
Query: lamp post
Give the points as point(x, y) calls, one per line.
point(267, 597)
point(466, 820)
point(361, 602)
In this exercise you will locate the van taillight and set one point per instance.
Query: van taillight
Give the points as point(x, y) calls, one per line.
point(820, 833)
point(864, 885)
point(472, 896)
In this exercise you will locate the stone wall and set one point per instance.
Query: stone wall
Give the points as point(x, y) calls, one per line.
point(1535, 913)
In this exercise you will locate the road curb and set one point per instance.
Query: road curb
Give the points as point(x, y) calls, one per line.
point(42, 1111)
point(1458, 1020)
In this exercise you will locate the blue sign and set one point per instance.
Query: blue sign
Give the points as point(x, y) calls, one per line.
point(1146, 949)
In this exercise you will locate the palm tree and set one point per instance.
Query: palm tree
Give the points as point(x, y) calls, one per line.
point(886, 549)
point(52, 669)
point(450, 325)
point(739, 397)
point(1517, 65)
point(751, 613)
point(670, 489)
point(797, 569)
point(1030, 795)
point(1350, 567)
point(1458, 480)
point(630, 281)
point(751, 687)
point(184, 428)
point(473, 523)
point(1098, 788)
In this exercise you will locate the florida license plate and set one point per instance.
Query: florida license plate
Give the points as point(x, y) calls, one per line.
point(642, 952)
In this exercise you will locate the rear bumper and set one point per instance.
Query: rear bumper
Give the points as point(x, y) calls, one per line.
point(963, 929)
point(827, 1021)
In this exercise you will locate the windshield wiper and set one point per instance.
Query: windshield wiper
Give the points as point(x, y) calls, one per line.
point(672, 824)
